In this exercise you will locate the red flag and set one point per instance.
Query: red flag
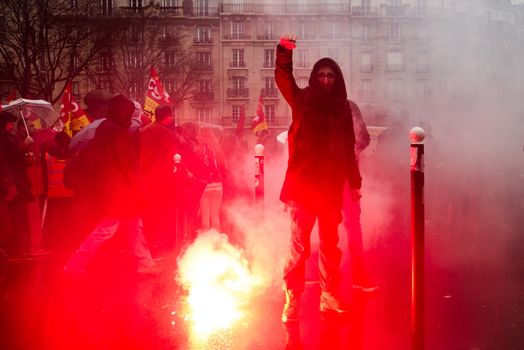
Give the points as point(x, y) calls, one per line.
point(259, 121)
point(72, 115)
point(155, 95)
point(241, 122)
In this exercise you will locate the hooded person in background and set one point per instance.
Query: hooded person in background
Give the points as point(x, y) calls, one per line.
point(321, 143)
point(113, 159)
point(158, 145)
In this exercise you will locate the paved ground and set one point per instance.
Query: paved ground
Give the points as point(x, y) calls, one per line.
point(475, 306)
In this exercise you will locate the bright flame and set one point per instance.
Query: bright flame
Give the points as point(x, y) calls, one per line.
point(218, 281)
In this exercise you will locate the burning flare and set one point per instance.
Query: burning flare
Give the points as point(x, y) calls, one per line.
point(219, 283)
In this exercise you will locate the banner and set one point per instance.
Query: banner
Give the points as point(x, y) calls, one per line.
point(155, 95)
point(259, 121)
point(71, 114)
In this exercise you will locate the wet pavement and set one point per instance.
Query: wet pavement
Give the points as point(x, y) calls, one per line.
point(470, 306)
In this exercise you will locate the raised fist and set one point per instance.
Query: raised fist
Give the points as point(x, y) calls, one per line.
point(288, 41)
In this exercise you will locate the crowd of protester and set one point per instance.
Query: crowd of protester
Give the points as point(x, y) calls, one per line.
point(155, 184)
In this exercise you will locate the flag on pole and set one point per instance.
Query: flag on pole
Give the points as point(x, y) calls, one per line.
point(71, 114)
point(241, 122)
point(155, 95)
point(259, 121)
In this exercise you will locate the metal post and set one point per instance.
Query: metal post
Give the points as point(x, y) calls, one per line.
point(417, 135)
point(259, 174)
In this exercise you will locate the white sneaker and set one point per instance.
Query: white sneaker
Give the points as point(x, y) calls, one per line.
point(330, 303)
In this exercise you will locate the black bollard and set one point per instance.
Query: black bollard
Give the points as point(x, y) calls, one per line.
point(417, 238)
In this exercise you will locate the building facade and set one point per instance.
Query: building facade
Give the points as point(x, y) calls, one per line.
point(398, 56)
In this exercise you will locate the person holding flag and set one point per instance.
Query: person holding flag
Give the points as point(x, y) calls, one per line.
point(156, 95)
point(72, 115)
point(259, 125)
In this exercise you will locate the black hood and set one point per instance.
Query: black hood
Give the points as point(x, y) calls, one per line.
point(339, 89)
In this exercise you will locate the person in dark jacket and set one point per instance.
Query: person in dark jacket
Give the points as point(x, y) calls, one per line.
point(112, 157)
point(15, 191)
point(321, 143)
point(158, 145)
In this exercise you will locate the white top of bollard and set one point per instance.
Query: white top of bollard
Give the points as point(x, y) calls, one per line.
point(259, 150)
point(417, 134)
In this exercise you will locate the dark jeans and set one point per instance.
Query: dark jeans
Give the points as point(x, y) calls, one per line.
point(302, 222)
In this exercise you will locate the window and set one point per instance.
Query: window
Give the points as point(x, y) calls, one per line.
point(201, 7)
point(269, 87)
point(269, 58)
point(422, 62)
point(103, 83)
point(269, 110)
point(303, 59)
point(238, 58)
point(135, 3)
point(366, 64)
point(106, 7)
point(204, 58)
point(334, 54)
point(236, 110)
point(366, 84)
point(238, 83)
point(269, 83)
point(302, 82)
point(203, 34)
point(395, 88)
point(423, 87)
point(268, 31)
point(366, 31)
point(204, 115)
point(104, 62)
point(169, 59)
point(170, 86)
point(334, 30)
point(132, 59)
point(133, 91)
point(204, 86)
point(133, 33)
point(394, 61)
point(394, 31)
point(238, 30)
point(302, 32)
point(168, 32)
point(169, 3)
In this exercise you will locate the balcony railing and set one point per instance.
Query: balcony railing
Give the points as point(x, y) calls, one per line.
point(236, 64)
point(422, 68)
point(235, 93)
point(267, 36)
point(237, 36)
point(395, 67)
point(395, 94)
point(286, 8)
point(273, 92)
point(366, 68)
point(366, 95)
point(203, 67)
point(204, 40)
point(203, 96)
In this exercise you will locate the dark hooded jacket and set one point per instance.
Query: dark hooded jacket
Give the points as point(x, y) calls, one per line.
point(321, 139)
point(112, 158)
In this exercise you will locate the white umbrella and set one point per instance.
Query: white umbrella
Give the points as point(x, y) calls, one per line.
point(38, 118)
